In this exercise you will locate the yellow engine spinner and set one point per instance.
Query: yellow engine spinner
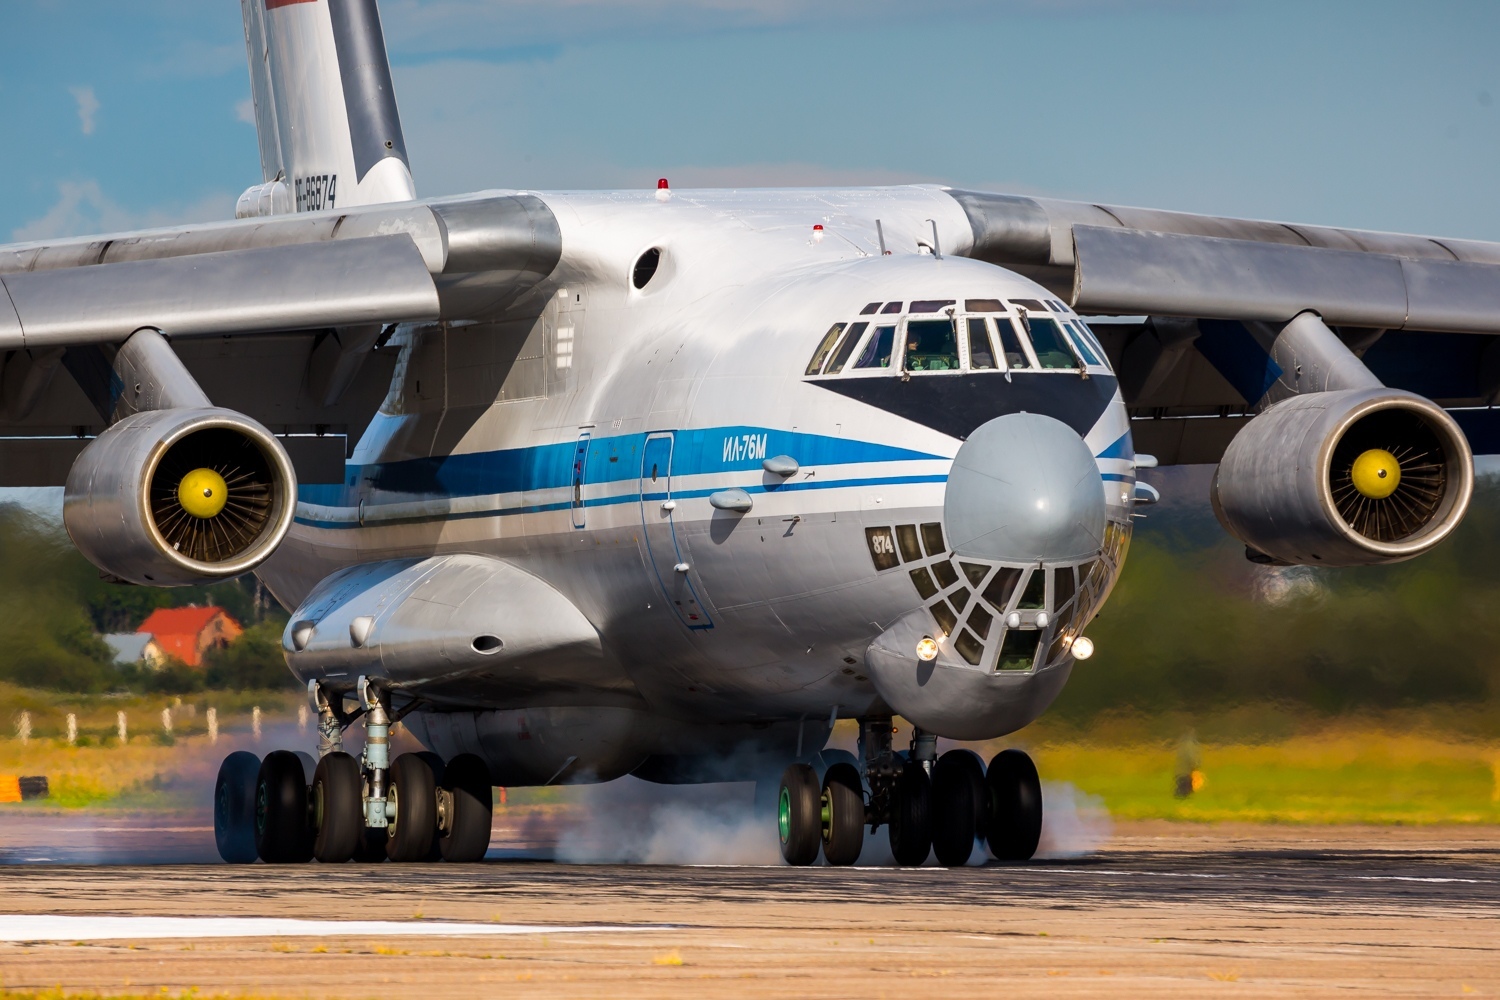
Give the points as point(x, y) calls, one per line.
point(203, 493)
point(1376, 474)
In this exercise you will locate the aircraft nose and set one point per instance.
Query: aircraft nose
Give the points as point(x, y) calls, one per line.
point(1025, 488)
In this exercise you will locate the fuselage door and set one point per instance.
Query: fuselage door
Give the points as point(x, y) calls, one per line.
point(669, 564)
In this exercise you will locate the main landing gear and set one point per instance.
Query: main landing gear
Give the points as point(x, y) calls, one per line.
point(288, 809)
point(929, 804)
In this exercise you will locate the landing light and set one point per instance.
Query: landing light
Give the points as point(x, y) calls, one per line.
point(1083, 647)
point(927, 648)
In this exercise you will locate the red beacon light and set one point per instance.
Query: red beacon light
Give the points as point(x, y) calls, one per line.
point(663, 190)
point(818, 232)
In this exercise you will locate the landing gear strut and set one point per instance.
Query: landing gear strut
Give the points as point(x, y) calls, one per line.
point(415, 808)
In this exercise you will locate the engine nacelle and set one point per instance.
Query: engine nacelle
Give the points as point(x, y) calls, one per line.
point(172, 497)
point(1353, 477)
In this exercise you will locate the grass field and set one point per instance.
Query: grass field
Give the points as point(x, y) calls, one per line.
point(1258, 764)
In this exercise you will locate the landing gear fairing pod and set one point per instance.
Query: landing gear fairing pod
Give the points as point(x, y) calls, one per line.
point(1348, 478)
point(178, 496)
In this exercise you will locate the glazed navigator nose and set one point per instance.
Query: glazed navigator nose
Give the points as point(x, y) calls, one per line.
point(1025, 488)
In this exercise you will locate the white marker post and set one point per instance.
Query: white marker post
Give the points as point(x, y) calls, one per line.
point(23, 728)
point(166, 721)
point(72, 729)
point(301, 718)
point(120, 727)
point(213, 725)
point(255, 723)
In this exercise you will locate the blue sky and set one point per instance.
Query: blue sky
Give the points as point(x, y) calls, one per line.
point(1380, 115)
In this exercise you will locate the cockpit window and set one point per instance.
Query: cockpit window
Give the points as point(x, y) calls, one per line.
point(931, 345)
point(930, 305)
point(1052, 349)
point(1081, 342)
point(878, 353)
point(892, 307)
point(1010, 343)
point(981, 354)
point(983, 306)
point(824, 346)
point(1030, 305)
point(1092, 340)
point(871, 309)
point(846, 348)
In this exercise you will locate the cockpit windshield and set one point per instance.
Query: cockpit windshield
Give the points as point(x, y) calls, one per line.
point(931, 345)
point(878, 353)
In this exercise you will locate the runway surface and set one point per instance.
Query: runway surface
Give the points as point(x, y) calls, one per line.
point(1173, 910)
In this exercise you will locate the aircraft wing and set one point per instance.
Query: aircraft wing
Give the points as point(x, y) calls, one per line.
point(279, 318)
point(1179, 298)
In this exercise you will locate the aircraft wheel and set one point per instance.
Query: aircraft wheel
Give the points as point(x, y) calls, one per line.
point(797, 814)
point(842, 815)
point(413, 794)
point(1015, 821)
point(337, 806)
point(468, 800)
point(435, 761)
point(958, 806)
point(911, 819)
point(234, 807)
point(282, 833)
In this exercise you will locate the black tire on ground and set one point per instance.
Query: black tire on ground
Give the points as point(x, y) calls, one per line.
point(959, 805)
point(466, 780)
point(234, 807)
point(282, 832)
point(842, 814)
point(338, 815)
point(911, 815)
point(1015, 821)
point(435, 762)
point(409, 836)
point(797, 814)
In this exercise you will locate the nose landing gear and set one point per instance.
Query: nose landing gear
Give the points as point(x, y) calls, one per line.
point(415, 808)
point(929, 804)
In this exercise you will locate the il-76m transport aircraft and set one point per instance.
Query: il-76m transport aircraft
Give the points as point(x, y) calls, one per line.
point(665, 482)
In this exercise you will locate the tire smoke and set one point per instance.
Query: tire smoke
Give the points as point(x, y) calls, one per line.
point(1074, 823)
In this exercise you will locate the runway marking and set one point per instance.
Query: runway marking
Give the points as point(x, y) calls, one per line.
point(57, 927)
point(1415, 878)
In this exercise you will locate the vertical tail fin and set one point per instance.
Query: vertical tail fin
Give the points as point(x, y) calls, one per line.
point(325, 109)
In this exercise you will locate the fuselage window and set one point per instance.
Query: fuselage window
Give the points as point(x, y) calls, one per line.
point(871, 309)
point(892, 307)
point(1081, 342)
point(824, 346)
point(1052, 349)
point(878, 353)
point(981, 355)
point(983, 306)
point(931, 345)
point(1030, 305)
point(1010, 343)
point(846, 348)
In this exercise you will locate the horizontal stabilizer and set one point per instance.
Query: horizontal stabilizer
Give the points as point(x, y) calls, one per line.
point(379, 279)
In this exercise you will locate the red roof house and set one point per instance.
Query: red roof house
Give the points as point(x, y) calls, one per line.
point(187, 633)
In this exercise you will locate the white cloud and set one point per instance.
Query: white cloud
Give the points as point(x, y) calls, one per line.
point(88, 106)
point(245, 111)
point(82, 208)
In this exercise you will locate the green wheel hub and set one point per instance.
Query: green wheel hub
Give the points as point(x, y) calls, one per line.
point(784, 814)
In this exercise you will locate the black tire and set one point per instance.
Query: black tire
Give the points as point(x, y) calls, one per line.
point(282, 833)
point(435, 762)
point(842, 815)
point(234, 807)
point(470, 803)
point(409, 835)
point(337, 806)
point(797, 814)
point(911, 815)
point(1015, 794)
point(959, 805)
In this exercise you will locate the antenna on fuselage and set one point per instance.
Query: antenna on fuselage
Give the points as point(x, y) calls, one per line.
point(937, 251)
point(880, 235)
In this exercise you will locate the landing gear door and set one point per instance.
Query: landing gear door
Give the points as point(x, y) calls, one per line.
point(670, 570)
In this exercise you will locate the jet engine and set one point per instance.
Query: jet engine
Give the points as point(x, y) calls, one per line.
point(178, 496)
point(1351, 477)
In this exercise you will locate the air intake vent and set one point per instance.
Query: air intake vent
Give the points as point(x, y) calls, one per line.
point(212, 495)
point(1388, 475)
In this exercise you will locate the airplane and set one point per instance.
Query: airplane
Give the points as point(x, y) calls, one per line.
point(664, 483)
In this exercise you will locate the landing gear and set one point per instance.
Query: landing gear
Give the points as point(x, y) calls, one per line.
point(282, 832)
point(288, 808)
point(465, 807)
point(911, 814)
point(842, 815)
point(1015, 795)
point(798, 814)
point(959, 806)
